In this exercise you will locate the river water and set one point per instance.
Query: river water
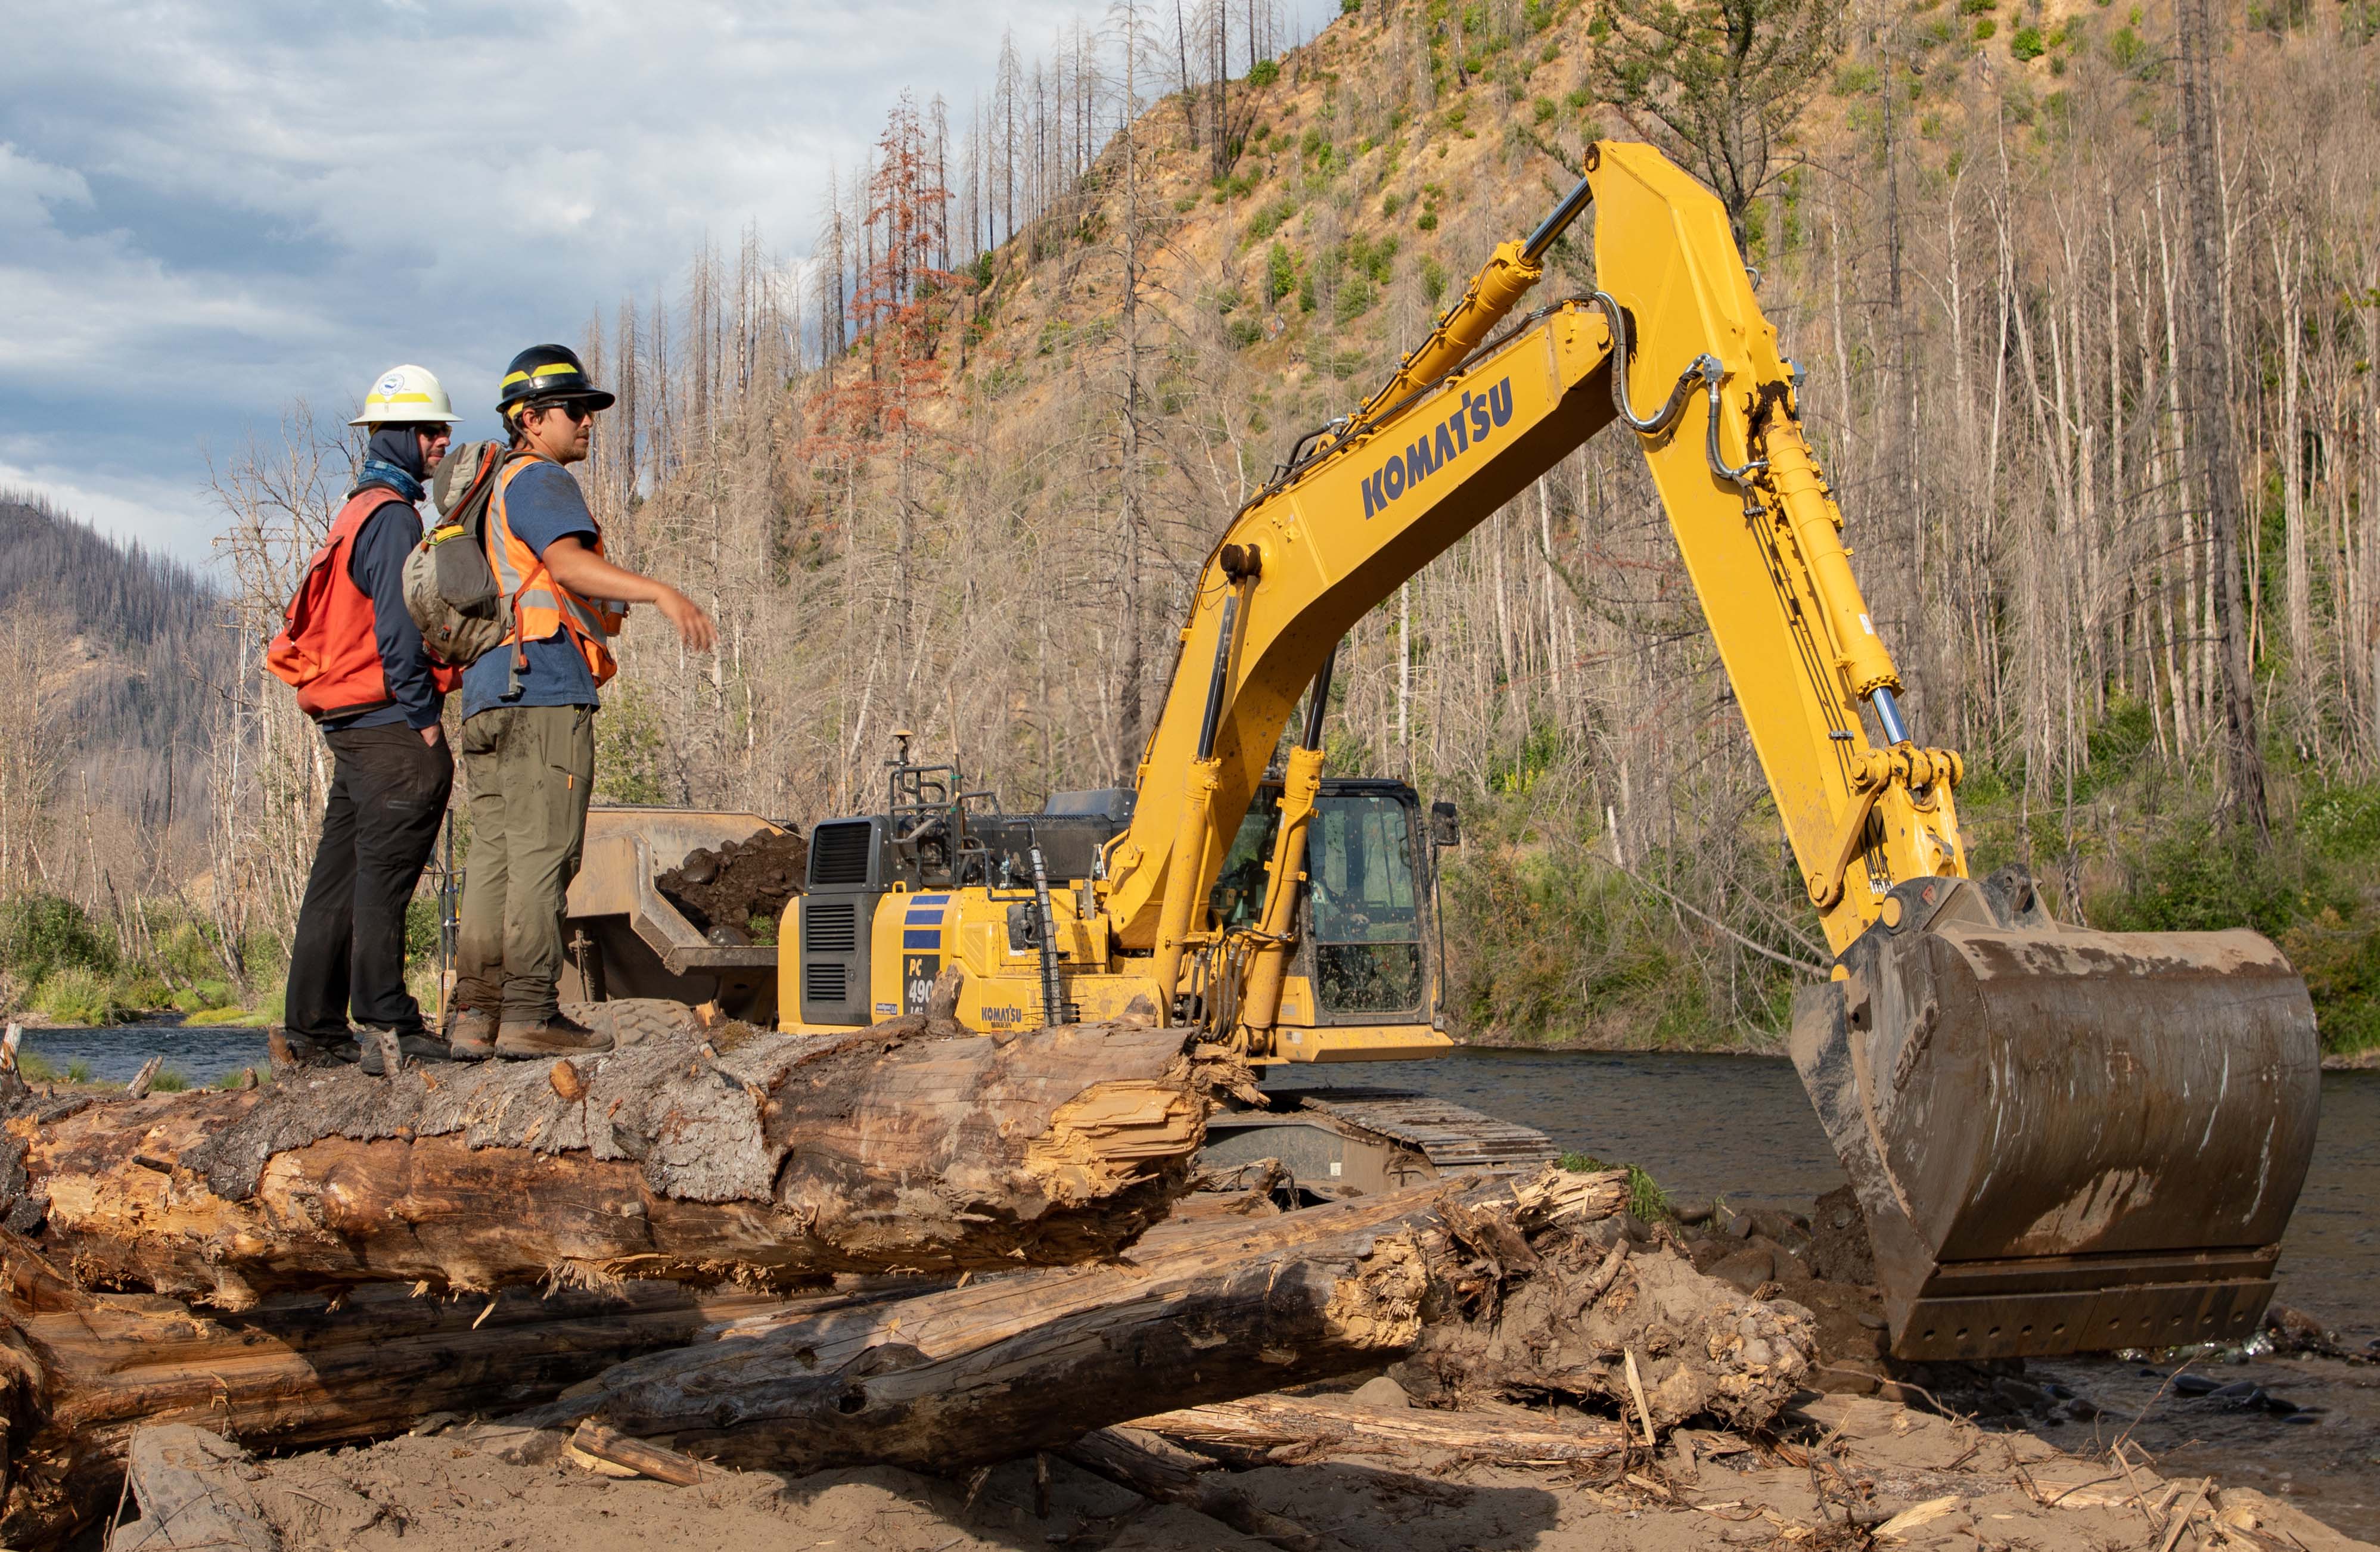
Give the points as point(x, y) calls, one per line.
point(1703, 1125)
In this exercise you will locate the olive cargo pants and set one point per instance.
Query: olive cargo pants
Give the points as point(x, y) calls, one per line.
point(529, 768)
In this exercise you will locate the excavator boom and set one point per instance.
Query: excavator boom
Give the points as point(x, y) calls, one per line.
point(2062, 1139)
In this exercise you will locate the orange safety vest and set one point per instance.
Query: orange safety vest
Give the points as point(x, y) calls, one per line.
point(542, 605)
point(327, 646)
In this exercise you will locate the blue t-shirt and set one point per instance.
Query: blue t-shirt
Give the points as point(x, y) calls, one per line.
point(543, 504)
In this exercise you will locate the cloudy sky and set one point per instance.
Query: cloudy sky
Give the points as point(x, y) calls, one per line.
point(209, 210)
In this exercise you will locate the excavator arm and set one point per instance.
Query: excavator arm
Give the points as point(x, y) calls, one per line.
point(2061, 1139)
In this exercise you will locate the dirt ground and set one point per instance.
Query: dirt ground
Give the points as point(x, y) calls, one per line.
point(1840, 1472)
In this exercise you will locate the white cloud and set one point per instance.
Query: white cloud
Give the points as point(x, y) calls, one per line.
point(208, 210)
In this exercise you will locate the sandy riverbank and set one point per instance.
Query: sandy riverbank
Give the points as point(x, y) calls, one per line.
point(1837, 1472)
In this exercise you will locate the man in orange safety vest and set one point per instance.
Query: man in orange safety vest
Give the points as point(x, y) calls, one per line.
point(529, 715)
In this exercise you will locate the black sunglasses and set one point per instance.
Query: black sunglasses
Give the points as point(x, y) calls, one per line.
point(577, 409)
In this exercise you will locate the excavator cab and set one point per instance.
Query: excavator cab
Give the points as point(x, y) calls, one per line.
point(1363, 983)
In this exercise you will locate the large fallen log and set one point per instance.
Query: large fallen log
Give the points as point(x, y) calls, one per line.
point(769, 1160)
point(1212, 1312)
point(80, 1372)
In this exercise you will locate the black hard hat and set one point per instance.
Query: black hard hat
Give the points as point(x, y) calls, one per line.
point(549, 372)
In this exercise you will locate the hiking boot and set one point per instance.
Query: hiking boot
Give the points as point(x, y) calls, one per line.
point(320, 1051)
point(558, 1035)
point(414, 1045)
point(471, 1036)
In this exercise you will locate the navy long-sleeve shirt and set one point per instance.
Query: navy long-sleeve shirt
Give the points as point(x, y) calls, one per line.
point(376, 563)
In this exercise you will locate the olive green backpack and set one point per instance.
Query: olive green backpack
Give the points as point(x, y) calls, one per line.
point(450, 588)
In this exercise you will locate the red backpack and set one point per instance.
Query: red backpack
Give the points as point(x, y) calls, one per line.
point(327, 647)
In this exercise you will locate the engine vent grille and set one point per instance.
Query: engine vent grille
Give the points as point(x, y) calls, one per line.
point(822, 983)
point(830, 927)
point(839, 853)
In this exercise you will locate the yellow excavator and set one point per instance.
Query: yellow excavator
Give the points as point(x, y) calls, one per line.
point(2063, 1140)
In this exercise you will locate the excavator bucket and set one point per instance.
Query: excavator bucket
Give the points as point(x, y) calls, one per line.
point(2063, 1140)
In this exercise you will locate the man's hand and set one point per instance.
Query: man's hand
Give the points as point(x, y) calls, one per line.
point(694, 627)
point(591, 576)
point(432, 734)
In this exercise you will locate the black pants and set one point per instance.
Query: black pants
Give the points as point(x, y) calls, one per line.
point(388, 794)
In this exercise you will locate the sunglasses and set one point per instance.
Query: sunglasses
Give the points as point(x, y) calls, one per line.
point(578, 412)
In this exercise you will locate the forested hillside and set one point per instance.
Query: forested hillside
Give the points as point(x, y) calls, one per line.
point(2088, 321)
point(108, 660)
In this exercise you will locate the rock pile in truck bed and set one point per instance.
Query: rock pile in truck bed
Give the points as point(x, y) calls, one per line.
point(727, 890)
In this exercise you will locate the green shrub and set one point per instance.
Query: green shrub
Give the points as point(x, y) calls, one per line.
point(1985, 29)
point(1270, 219)
point(1243, 332)
point(1355, 299)
point(1433, 278)
point(1281, 272)
point(1545, 110)
point(77, 995)
point(1349, 7)
point(1429, 222)
point(33, 1067)
point(43, 933)
point(2027, 44)
point(78, 1070)
point(202, 997)
point(1264, 72)
point(169, 1080)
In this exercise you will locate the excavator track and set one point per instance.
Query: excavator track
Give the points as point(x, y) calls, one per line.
point(1343, 1142)
point(1451, 1136)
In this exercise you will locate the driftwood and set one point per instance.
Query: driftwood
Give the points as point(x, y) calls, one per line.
point(1289, 1430)
point(186, 1481)
point(82, 1375)
point(769, 1159)
point(1158, 1469)
point(1210, 1312)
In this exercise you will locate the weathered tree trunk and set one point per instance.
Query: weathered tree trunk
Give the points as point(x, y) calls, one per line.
point(771, 1160)
point(79, 1373)
point(1280, 1430)
point(1481, 1272)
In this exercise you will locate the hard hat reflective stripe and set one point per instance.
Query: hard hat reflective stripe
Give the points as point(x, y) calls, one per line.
point(396, 399)
point(550, 370)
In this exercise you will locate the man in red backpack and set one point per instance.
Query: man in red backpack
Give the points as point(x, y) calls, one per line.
point(355, 656)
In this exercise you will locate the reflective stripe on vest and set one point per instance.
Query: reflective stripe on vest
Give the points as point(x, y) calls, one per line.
point(542, 605)
point(328, 646)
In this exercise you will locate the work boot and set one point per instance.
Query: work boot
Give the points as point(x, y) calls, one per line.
point(320, 1051)
point(557, 1035)
point(472, 1035)
point(413, 1045)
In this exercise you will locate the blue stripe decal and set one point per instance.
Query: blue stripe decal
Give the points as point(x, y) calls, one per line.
point(926, 938)
point(929, 899)
point(924, 918)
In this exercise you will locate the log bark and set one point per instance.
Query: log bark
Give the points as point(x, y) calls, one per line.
point(765, 1159)
point(1210, 1312)
point(81, 1374)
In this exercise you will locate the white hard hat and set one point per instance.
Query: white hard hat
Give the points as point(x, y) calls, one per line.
point(402, 395)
